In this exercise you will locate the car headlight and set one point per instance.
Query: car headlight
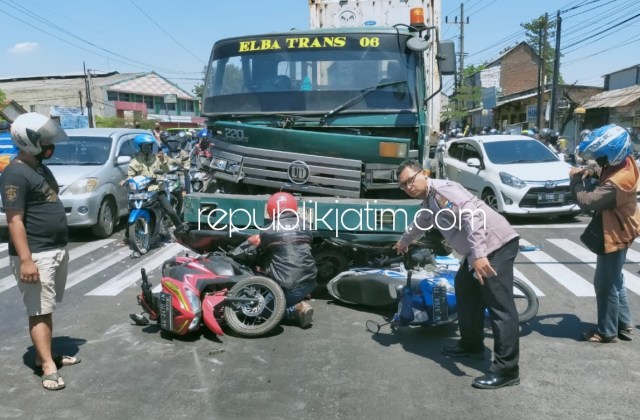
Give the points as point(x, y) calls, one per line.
point(194, 302)
point(83, 186)
point(512, 181)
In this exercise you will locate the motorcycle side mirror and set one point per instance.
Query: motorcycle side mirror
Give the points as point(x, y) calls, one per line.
point(373, 326)
point(158, 171)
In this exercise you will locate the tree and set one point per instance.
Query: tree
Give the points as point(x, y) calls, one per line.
point(2, 99)
point(198, 89)
point(532, 35)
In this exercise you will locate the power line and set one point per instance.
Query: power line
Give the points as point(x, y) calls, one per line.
point(602, 31)
point(167, 33)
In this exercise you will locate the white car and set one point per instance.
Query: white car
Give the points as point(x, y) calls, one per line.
point(515, 175)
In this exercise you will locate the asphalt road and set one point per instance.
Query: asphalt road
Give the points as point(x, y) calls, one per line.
point(334, 370)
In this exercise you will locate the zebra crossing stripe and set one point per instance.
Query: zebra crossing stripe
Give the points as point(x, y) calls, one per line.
point(518, 273)
point(126, 278)
point(631, 281)
point(633, 256)
point(97, 266)
point(4, 247)
point(10, 281)
point(560, 273)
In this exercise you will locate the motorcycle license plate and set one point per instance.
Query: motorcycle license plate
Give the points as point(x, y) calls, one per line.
point(166, 312)
point(440, 305)
point(171, 176)
point(138, 196)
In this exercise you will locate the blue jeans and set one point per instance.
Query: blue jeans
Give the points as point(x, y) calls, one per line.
point(611, 295)
point(293, 297)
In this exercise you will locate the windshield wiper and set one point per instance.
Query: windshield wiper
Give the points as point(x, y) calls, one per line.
point(358, 98)
point(516, 161)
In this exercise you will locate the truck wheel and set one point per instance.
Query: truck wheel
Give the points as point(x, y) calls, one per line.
point(106, 220)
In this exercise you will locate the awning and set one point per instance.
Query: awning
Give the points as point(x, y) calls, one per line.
point(614, 98)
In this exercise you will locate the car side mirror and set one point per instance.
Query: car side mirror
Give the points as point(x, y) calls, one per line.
point(121, 160)
point(474, 163)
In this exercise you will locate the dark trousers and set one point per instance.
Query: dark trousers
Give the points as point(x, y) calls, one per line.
point(497, 296)
point(164, 202)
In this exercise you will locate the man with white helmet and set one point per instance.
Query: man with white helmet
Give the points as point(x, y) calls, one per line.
point(38, 235)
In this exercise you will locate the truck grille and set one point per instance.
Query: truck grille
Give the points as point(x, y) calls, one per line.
point(313, 174)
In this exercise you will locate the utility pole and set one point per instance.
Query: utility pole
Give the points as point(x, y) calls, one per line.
point(556, 74)
point(542, 41)
point(87, 84)
point(459, 79)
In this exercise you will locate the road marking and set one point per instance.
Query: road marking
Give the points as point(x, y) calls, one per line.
point(97, 266)
point(631, 281)
point(4, 247)
point(518, 273)
point(570, 280)
point(126, 278)
point(77, 252)
point(581, 225)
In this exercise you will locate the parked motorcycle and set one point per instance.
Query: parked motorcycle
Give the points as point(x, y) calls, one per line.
point(213, 289)
point(147, 222)
point(385, 280)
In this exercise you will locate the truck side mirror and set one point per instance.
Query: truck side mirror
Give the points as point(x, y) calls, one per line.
point(446, 58)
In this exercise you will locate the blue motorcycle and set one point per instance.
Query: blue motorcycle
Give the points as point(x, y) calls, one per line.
point(147, 222)
point(420, 284)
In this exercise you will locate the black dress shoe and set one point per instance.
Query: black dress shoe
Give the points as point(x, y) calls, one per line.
point(495, 381)
point(457, 350)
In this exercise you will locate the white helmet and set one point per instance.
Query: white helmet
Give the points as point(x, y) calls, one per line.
point(32, 130)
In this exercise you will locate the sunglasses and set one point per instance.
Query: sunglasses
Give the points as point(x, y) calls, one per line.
point(404, 185)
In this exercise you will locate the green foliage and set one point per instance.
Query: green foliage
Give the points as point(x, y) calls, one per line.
point(233, 80)
point(110, 122)
point(471, 70)
point(533, 39)
point(2, 99)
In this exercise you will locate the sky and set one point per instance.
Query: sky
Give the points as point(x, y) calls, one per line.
point(41, 37)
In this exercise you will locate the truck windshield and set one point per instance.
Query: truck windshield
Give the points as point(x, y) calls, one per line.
point(310, 74)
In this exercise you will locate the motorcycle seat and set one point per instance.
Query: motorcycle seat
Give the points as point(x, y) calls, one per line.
point(366, 289)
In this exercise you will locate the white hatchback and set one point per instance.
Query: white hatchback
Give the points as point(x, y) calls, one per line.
point(515, 175)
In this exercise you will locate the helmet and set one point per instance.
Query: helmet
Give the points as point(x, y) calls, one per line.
point(553, 137)
point(494, 131)
point(4, 126)
point(533, 130)
point(164, 135)
point(203, 134)
point(141, 139)
point(544, 133)
point(31, 131)
point(611, 142)
point(279, 202)
point(174, 145)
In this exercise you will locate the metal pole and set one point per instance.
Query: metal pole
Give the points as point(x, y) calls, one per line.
point(540, 70)
point(556, 74)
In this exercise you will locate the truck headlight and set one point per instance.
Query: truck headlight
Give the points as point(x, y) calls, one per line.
point(83, 186)
point(220, 164)
point(392, 150)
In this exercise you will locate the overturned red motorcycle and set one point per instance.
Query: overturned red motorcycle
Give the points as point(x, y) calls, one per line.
point(215, 289)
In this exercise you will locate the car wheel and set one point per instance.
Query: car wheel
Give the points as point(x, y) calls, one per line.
point(489, 197)
point(106, 220)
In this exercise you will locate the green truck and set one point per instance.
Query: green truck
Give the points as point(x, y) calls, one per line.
point(326, 114)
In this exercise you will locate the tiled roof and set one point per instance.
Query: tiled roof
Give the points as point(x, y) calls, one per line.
point(149, 84)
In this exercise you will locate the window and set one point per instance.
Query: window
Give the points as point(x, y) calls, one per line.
point(124, 97)
point(455, 150)
point(149, 101)
point(112, 96)
point(186, 106)
point(471, 152)
point(126, 149)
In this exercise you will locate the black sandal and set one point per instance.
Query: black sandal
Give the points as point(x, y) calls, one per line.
point(625, 333)
point(595, 337)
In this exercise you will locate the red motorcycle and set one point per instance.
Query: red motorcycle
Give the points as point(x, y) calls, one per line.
point(215, 289)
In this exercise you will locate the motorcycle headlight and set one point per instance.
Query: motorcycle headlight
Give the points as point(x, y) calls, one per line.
point(194, 301)
point(512, 181)
point(83, 186)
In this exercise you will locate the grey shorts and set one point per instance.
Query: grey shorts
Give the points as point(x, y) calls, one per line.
point(40, 298)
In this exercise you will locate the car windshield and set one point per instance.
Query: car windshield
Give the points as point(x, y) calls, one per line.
point(82, 151)
point(311, 75)
point(518, 151)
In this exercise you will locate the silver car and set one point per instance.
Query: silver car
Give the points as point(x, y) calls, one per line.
point(88, 168)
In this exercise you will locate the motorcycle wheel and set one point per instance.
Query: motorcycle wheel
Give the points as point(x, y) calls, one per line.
point(254, 320)
point(526, 300)
point(139, 236)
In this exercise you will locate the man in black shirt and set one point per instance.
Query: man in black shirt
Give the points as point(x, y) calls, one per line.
point(38, 235)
